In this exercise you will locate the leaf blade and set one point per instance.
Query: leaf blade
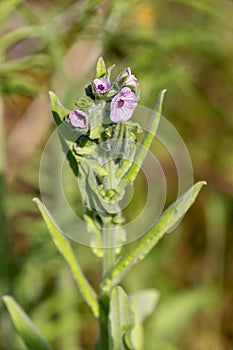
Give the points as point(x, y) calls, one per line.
point(66, 251)
point(24, 326)
point(142, 303)
point(151, 238)
point(121, 318)
point(100, 68)
point(59, 112)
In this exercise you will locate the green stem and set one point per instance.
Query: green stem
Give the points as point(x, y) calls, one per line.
point(104, 340)
point(109, 231)
point(109, 253)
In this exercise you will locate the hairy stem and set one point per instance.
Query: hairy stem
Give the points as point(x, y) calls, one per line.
point(109, 237)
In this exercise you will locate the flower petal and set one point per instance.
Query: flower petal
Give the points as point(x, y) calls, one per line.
point(123, 105)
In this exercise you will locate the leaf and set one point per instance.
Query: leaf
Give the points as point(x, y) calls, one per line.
point(66, 251)
point(24, 326)
point(19, 34)
point(6, 7)
point(58, 110)
point(59, 113)
point(176, 311)
point(200, 6)
point(96, 235)
point(146, 141)
point(100, 68)
point(3, 211)
point(2, 141)
point(167, 221)
point(96, 116)
point(108, 73)
point(142, 303)
point(22, 64)
point(121, 318)
point(18, 84)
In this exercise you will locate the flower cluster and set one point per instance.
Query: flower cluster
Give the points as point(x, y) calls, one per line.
point(122, 95)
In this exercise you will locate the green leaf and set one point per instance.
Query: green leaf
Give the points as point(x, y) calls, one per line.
point(176, 311)
point(19, 34)
point(121, 319)
point(3, 216)
point(109, 71)
point(6, 7)
point(65, 132)
point(20, 83)
point(24, 326)
point(146, 141)
point(58, 110)
point(96, 235)
point(2, 141)
point(166, 222)
point(22, 64)
point(100, 68)
point(66, 251)
point(96, 117)
point(200, 6)
point(142, 303)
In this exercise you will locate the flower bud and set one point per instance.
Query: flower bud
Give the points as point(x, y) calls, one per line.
point(130, 78)
point(101, 85)
point(78, 118)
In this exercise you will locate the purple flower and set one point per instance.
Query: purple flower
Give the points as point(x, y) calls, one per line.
point(78, 118)
point(130, 80)
point(101, 85)
point(123, 105)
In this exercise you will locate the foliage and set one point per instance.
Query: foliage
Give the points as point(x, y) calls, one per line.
point(183, 45)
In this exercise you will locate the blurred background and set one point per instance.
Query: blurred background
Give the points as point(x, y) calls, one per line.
point(184, 46)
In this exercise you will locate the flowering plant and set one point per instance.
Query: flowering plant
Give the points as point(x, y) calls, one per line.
point(99, 139)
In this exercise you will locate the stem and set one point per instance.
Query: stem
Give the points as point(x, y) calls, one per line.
point(104, 342)
point(109, 230)
point(109, 253)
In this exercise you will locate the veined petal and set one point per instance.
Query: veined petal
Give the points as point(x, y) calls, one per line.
point(123, 105)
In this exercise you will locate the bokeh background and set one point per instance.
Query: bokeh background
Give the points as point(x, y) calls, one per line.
point(182, 45)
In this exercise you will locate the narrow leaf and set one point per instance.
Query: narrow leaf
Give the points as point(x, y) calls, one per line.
point(100, 68)
point(59, 112)
point(3, 216)
point(19, 34)
point(24, 326)
point(121, 318)
point(96, 235)
point(66, 251)
point(6, 7)
point(166, 222)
